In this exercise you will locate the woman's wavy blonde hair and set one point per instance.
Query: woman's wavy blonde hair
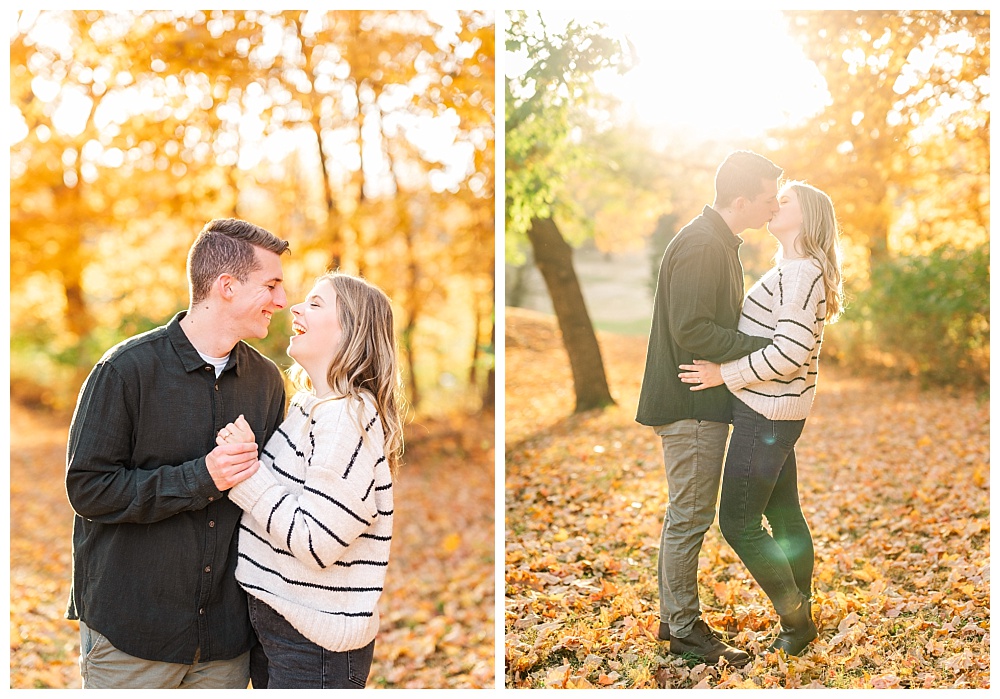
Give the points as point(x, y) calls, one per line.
point(820, 240)
point(365, 361)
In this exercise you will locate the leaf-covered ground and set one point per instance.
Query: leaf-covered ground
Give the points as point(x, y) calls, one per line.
point(437, 609)
point(894, 482)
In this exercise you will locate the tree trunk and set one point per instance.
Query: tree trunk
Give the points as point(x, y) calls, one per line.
point(72, 264)
point(489, 389)
point(490, 392)
point(476, 343)
point(517, 291)
point(554, 258)
point(78, 319)
point(332, 223)
point(412, 304)
point(360, 74)
point(411, 363)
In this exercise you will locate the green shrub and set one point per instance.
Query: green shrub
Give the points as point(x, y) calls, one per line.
point(931, 314)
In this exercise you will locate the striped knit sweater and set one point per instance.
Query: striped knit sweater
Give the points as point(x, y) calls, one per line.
point(787, 305)
point(317, 522)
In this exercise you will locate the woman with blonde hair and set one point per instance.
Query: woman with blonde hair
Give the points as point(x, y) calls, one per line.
point(317, 523)
point(773, 390)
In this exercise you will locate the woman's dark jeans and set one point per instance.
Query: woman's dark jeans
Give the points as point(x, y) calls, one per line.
point(285, 659)
point(760, 480)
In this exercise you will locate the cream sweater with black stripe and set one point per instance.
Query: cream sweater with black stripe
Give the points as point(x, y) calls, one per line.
point(317, 522)
point(788, 306)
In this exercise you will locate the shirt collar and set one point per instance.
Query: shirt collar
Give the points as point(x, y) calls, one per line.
point(189, 356)
point(721, 228)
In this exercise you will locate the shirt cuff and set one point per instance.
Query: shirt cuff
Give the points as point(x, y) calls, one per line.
point(206, 484)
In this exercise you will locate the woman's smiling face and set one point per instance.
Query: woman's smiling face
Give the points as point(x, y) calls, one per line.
point(316, 330)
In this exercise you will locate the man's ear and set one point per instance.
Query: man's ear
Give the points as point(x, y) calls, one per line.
point(225, 284)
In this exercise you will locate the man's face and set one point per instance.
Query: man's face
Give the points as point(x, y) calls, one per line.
point(762, 208)
point(257, 299)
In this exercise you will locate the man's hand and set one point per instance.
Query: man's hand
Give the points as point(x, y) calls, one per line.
point(229, 464)
point(703, 374)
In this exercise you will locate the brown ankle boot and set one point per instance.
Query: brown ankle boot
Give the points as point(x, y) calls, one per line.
point(722, 634)
point(703, 644)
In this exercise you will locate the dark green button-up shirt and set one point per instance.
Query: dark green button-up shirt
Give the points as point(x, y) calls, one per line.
point(699, 296)
point(154, 544)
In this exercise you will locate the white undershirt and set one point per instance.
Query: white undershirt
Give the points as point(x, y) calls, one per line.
point(218, 362)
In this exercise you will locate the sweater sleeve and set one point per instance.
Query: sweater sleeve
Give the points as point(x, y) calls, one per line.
point(796, 297)
point(336, 505)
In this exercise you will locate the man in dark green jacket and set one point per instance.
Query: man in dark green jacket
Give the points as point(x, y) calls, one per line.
point(154, 533)
point(699, 296)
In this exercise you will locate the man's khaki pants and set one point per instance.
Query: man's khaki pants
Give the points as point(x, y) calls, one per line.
point(693, 452)
point(103, 666)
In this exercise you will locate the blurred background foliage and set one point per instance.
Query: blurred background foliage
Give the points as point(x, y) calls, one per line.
point(904, 151)
point(902, 145)
point(364, 138)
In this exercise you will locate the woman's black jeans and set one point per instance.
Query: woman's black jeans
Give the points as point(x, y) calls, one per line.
point(760, 480)
point(285, 659)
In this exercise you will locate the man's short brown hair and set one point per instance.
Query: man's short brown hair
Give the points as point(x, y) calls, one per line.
point(740, 175)
point(226, 246)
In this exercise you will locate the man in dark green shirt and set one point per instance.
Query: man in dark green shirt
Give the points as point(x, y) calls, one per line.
point(699, 296)
point(154, 545)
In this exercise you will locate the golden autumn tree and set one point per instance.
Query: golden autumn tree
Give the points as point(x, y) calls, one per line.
point(362, 137)
point(903, 150)
point(369, 87)
point(338, 71)
point(908, 119)
point(113, 138)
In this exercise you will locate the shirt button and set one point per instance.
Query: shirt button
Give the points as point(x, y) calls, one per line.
point(208, 569)
point(216, 387)
point(208, 368)
point(211, 523)
point(211, 498)
point(201, 612)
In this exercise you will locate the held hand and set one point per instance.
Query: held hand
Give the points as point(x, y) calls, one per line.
point(229, 464)
point(702, 374)
point(237, 432)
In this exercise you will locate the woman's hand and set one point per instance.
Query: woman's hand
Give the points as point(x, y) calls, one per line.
point(703, 374)
point(236, 432)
